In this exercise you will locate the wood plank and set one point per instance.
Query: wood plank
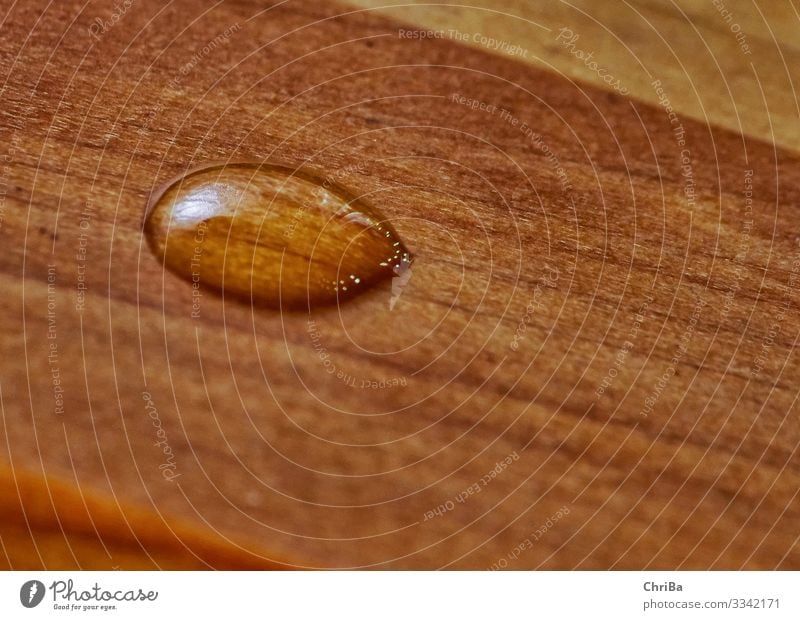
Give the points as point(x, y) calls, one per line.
point(45, 524)
point(734, 64)
point(548, 262)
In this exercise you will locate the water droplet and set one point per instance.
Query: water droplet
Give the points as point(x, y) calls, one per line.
point(271, 234)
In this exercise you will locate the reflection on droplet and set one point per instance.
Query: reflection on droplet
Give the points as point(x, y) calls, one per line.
point(273, 235)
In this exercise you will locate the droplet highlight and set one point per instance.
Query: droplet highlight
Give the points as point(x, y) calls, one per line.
point(272, 235)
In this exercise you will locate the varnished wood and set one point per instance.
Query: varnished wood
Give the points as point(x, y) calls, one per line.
point(626, 349)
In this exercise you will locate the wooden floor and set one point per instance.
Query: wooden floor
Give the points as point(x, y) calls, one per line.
point(592, 364)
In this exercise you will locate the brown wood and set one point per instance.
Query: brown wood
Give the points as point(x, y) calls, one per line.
point(733, 64)
point(46, 524)
point(584, 353)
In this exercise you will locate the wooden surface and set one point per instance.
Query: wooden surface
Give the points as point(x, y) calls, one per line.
point(588, 368)
point(731, 63)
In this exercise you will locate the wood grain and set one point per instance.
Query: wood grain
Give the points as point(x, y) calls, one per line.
point(734, 64)
point(46, 524)
point(593, 361)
